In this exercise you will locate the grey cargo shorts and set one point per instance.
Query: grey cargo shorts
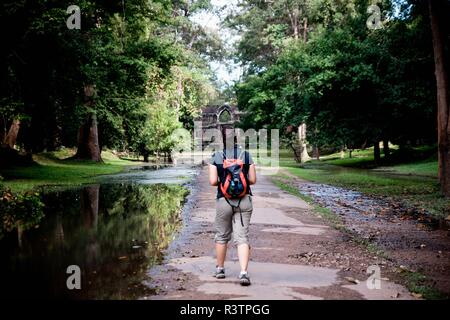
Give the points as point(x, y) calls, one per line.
point(228, 222)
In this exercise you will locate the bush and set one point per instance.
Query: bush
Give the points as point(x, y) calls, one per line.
point(24, 209)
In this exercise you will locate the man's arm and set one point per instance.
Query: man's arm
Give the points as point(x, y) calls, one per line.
point(252, 174)
point(213, 177)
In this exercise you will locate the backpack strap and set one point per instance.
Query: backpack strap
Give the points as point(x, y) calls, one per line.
point(241, 154)
point(234, 207)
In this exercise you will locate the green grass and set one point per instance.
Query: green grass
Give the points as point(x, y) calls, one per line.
point(427, 168)
point(417, 283)
point(52, 169)
point(414, 184)
point(360, 158)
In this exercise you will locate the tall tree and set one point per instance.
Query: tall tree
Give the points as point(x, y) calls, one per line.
point(88, 144)
point(439, 14)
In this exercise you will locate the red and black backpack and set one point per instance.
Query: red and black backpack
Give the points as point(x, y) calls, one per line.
point(233, 184)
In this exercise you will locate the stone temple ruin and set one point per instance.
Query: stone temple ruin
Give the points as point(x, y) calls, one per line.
point(212, 117)
point(215, 116)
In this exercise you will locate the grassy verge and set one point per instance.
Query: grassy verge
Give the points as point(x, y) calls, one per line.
point(52, 169)
point(426, 168)
point(413, 184)
point(416, 282)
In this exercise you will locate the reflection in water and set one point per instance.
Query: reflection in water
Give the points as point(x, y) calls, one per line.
point(112, 232)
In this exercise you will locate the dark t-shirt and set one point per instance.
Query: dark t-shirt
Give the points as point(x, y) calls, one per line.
point(217, 160)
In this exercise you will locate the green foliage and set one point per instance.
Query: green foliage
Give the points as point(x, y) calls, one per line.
point(131, 52)
point(23, 210)
point(157, 135)
point(152, 212)
point(352, 86)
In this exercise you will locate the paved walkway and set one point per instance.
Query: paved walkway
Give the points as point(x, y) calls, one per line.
point(295, 255)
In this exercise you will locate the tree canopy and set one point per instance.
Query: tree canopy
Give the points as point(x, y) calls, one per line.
point(140, 58)
point(351, 85)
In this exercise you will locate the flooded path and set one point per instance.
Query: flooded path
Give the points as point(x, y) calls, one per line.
point(114, 231)
point(295, 255)
point(136, 236)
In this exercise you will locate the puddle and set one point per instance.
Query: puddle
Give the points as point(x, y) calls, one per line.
point(169, 174)
point(114, 231)
point(343, 201)
point(361, 208)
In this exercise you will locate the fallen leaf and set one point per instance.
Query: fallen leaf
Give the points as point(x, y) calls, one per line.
point(403, 268)
point(352, 280)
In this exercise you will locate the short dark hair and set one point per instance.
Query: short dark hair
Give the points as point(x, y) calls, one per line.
point(223, 129)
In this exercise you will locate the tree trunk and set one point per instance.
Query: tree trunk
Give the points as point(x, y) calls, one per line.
point(293, 14)
point(20, 235)
point(342, 152)
point(297, 156)
point(376, 152)
point(180, 93)
point(316, 152)
point(4, 131)
point(11, 137)
point(386, 150)
point(88, 144)
point(89, 205)
point(305, 29)
point(302, 143)
point(59, 232)
point(88, 147)
point(437, 15)
point(89, 200)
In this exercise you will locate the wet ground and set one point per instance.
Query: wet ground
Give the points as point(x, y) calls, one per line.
point(295, 255)
point(114, 231)
point(412, 239)
point(134, 236)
